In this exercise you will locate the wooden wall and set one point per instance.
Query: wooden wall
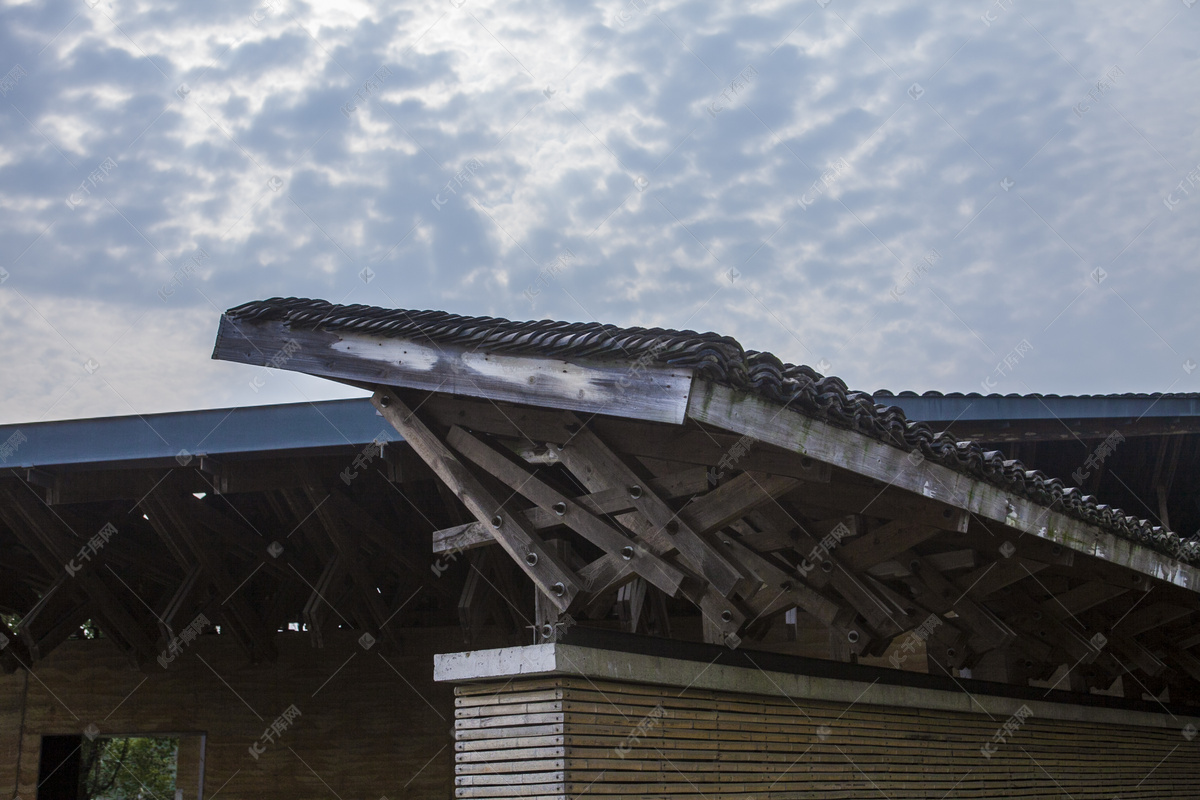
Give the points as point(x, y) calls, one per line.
point(367, 729)
point(556, 737)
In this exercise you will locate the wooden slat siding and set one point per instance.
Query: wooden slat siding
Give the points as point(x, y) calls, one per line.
point(651, 392)
point(741, 412)
point(711, 744)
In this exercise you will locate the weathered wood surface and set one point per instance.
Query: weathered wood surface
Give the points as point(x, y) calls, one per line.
point(569, 737)
point(648, 391)
point(548, 572)
point(749, 414)
point(609, 501)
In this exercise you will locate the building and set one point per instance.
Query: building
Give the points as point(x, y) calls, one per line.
point(564, 560)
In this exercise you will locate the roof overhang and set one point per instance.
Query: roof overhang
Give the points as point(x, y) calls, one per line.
point(642, 389)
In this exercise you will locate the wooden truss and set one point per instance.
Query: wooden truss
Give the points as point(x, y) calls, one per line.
point(610, 516)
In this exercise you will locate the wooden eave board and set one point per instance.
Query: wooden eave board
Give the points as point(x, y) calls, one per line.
point(618, 388)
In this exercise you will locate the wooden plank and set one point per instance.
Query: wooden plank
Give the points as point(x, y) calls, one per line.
point(750, 414)
point(586, 454)
point(936, 592)
point(607, 502)
point(1078, 600)
point(884, 543)
point(574, 515)
point(1147, 617)
point(830, 571)
point(993, 577)
point(616, 388)
point(855, 495)
point(781, 590)
point(547, 572)
point(689, 443)
point(734, 499)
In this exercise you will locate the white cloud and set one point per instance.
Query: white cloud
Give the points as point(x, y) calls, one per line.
point(259, 162)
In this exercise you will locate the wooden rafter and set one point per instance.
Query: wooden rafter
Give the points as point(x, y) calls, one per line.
point(47, 537)
point(552, 577)
point(179, 530)
point(574, 515)
point(604, 503)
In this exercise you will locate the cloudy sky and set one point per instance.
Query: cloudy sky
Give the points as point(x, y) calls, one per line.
point(975, 195)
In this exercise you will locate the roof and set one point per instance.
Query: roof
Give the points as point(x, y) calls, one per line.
point(972, 406)
point(164, 437)
point(722, 360)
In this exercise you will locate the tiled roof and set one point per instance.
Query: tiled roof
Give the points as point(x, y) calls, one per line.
point(723, 360)
point(885, 393)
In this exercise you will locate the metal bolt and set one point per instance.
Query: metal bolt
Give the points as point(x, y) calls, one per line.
point(635, 492)
point(558, 589)
point(626, 552)
point(560, 508)
point(727, 616)
point(852, 637)
point(497, 522)
point(531, 559)
point(385, 401)
point(547, 631)
point(826, 566)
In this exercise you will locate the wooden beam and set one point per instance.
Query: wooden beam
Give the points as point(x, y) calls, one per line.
point(884, 543)
point(57, 615)
point(180, 531)
point(45, 535)
point(610, 572)
point(630, 599)
point(746, 413)
point(319, 604)
point(653, 391)
point(14, 653)
point(349, 554)
point(689, 443)
point(829, 571)
point(587, 455)
point(733, 500)
point(1148, 617)
point(179, 601)
point(390, 543)
point(574, 515)
point(1078, 600)
point(515, 535)
point(993, 577)
point(604, 503)
point(935, 592)
point(851, 494)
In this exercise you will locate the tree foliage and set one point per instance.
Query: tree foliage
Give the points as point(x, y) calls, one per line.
point(132, 768)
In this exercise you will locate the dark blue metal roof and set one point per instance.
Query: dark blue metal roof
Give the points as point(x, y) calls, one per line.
point(251, 429)
point(935, 406)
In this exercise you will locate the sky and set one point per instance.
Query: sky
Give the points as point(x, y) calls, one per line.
point(983, 196)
